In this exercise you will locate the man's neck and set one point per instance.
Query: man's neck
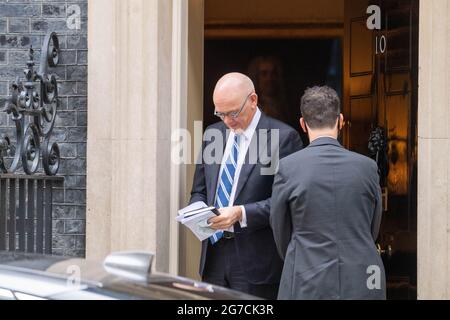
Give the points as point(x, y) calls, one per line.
point(314, 135)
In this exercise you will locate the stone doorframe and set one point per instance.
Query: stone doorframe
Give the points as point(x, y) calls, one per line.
point(145, 73)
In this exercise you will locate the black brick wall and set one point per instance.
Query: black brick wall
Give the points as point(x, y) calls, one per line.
point(24, 23)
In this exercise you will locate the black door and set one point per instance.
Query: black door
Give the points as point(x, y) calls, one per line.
point(380, 101)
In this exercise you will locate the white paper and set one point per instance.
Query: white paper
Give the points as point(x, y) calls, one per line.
point(192, 207)
point(198, 223)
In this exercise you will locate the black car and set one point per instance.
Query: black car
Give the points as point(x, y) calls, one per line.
point(122, 276)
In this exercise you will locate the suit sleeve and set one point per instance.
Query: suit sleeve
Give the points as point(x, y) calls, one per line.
point(258, 213)
point(376, 221)
point(198, 192)
point(280, 215)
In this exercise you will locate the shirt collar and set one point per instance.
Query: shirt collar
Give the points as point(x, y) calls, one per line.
point(331, 137)
point(248, 133)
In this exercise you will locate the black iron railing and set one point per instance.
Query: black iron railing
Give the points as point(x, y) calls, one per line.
point(26, 212)
point(26, 199)
point(33, 106)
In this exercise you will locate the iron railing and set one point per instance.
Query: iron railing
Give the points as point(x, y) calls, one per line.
point(33, 109)
point(26, 199)
point(26, 212)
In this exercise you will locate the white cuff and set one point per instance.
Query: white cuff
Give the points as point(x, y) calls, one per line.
point(243, 221)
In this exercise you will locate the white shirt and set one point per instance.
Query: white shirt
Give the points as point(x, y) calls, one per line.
point(244, 143)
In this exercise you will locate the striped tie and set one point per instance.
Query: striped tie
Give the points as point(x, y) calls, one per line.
point(226, 183)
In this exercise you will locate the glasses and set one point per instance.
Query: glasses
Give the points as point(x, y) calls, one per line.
point(233, 114)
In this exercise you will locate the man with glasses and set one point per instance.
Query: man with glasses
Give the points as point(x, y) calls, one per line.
point(242, 254)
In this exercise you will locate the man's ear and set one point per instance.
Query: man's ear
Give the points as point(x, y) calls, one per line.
point(303, 125)
point(255, 100)
point(341, 122)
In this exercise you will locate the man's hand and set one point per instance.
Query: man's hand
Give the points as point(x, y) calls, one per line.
point(228, 217)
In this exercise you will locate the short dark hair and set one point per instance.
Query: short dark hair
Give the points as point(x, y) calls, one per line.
point(320, 107)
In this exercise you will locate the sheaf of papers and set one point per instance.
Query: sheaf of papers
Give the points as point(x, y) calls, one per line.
point(197, 223)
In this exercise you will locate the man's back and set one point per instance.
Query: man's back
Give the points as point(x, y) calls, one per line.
point(330, 199)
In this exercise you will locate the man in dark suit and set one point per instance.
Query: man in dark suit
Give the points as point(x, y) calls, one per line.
point(326, 212)
point(242, 254)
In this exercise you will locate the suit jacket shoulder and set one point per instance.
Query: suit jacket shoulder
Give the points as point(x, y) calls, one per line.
point(296, 161)
point(363, 160)
point(265, 122)
point(277, 124)
point(290, 140)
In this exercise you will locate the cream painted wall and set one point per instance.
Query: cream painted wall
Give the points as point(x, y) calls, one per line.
point(190, 247)
point(145, 81)
point(306, 11)
point(187, 111)
point(129, 99)
point(434, 147)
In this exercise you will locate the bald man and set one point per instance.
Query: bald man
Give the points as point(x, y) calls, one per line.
point(242, 254)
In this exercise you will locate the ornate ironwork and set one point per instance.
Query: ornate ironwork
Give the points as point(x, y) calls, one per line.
point(378, 152)
point(33, 112)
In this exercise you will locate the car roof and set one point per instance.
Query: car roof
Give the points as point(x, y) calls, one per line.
point(28, 260)
point(95, 279)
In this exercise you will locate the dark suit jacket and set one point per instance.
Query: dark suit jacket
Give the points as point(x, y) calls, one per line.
point(255, 244)
point(326, 213)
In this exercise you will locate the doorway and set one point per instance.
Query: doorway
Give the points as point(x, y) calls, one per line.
point(381, 102)
point(376, 73)
point(281, 70)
